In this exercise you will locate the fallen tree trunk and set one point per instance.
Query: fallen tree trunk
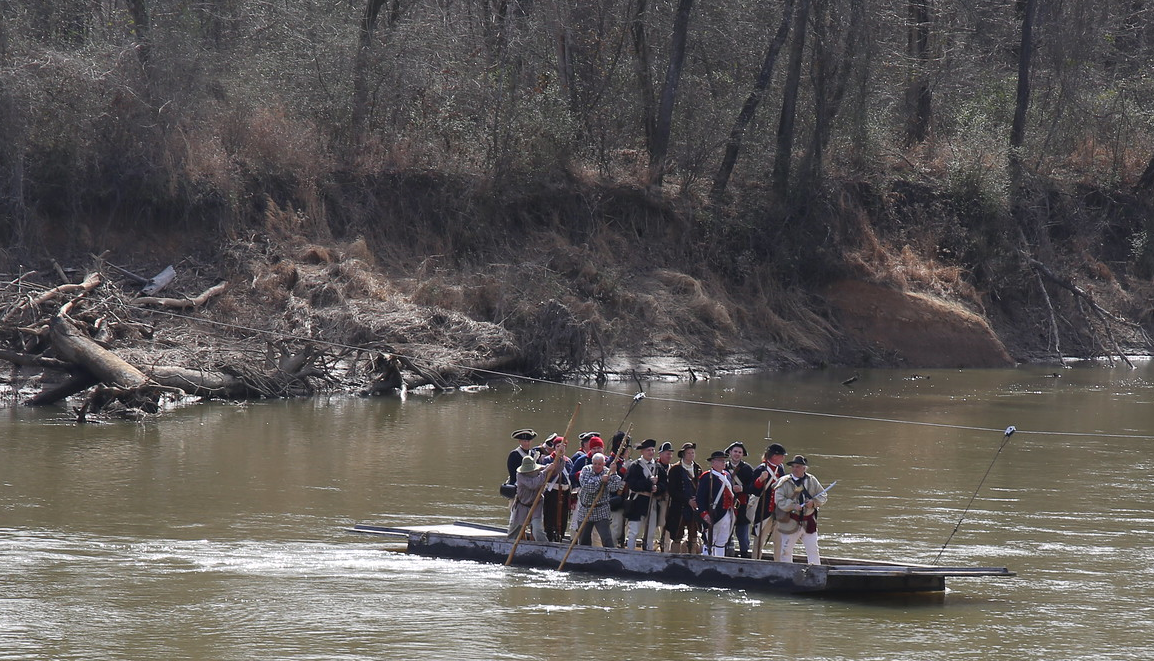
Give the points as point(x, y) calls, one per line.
point(201, 383)
point(77, 383)
point(32, 360)
point(1103, 315)
point(73, 346)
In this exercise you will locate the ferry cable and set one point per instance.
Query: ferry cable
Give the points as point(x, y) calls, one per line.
point(640, 395)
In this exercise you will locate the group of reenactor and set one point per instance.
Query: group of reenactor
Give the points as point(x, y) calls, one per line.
point(656, 503)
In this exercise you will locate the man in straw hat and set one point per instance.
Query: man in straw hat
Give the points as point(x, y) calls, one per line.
point(797, 498)
point(531, 476)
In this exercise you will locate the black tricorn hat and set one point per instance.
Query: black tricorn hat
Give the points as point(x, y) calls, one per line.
point(686, 446)
point(648, 443)
point(666, 447)
point(797, 459)
point(718, 454)
point(524, 434)
point(735, 444)
point(775, 448)
point(586, 435)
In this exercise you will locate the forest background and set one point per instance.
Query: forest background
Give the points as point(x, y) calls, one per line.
point(931, 183)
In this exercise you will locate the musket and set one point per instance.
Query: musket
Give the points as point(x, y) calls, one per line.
point(822, 492)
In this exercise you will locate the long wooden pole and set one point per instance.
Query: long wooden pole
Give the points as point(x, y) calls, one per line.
point(556, 465)
point(767, 490)
point(601, 491)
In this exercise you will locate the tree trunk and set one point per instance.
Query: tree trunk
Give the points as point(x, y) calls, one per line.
point(664, 123)
point(781, 161)
point(183, 303)
point(737, 133)
point(362, 101)
point(1018, 130)
point(830, 77)
point(919, 106)
point(201, 383)
point(73, 346)
point(78, 382)
point(644, 61)
point(1146, 181)
point(141, 30)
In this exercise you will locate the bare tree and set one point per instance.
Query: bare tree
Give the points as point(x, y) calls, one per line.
point(919, 96)
point(663, 127)
point(362, 101)
point(736, 134)
point(644, 64)
point(141, 29)
point(785, 126)
point(831, 63)
point(1018, 130)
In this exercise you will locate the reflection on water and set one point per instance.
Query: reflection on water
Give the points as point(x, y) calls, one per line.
point(218, 532)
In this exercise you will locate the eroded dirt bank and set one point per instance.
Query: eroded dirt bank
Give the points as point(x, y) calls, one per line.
point(621, 287)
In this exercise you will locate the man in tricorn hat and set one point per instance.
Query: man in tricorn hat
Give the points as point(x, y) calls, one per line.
point(682, 517)
point(741, 474)
point(656, 537)
point(797, 498)
point(715, 502)
point(555, 502)
point(642, 480)
point(765, 476)
point(524, 438)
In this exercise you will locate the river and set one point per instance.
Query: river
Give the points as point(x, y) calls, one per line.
point(219, 531)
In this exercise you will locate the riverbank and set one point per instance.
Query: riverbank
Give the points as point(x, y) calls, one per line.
point(543, 305)
point(557, 301)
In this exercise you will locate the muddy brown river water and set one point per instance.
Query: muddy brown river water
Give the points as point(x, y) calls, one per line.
point(218, 531)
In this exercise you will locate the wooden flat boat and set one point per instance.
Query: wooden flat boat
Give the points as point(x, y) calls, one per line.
point(470, 541)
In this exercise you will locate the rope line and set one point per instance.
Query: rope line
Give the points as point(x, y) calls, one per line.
point(669, 400)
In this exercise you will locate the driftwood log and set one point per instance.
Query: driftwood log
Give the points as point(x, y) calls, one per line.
point(183, 303)
point(91, 282)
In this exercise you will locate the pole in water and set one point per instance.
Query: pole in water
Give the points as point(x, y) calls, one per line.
point(1006, 439)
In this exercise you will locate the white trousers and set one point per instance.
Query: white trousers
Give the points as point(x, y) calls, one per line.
point(788, 540)
point(719, 535)
point(648, 530)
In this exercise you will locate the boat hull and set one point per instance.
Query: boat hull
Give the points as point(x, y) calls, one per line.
point(462, 541)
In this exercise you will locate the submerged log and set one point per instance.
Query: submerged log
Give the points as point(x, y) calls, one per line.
point(77, 383)
point(203, 383)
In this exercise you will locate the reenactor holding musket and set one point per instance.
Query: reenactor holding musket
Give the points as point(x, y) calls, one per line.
point(798, 497)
